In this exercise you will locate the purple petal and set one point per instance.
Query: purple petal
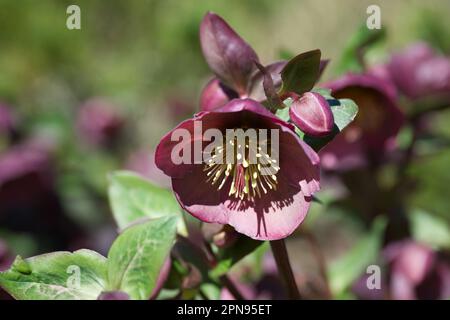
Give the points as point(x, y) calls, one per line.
point(213, 96)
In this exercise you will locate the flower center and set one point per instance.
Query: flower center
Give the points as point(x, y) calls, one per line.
point(249, 166)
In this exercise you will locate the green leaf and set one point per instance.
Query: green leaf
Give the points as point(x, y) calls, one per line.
point(231, 255)
point(301, 73)
point(81, 275)
point(134, 198)
point(430, 229)
point(136, 257)
point(344, 271)
point(344, 112)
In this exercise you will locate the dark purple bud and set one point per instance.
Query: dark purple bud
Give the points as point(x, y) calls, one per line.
point(213, 96)
point(113, 295)
point(226, 53)
point(312, 114)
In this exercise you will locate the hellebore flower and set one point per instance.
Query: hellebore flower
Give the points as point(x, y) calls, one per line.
point(418, 71)
point(262, 204)
point(416, 272)
point(312, 114)
point(375, 127)
point(99, 123)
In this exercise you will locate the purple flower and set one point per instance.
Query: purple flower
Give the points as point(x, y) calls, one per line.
point(373, 132)
point(237, 192)
point(99, 123)
point(418, 71)
point(416, 272)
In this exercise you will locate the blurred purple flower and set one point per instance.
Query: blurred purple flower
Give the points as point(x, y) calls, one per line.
point(99, 123)
point(274, 206)
point(28, 199)
point(418, 71)
point(375, 128)
point(416, 272)
point(143, 162)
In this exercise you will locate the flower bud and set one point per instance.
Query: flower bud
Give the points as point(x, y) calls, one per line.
point(312, 114)
point(227, 54)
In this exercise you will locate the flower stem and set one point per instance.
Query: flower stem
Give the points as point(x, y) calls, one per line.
point(284, 268)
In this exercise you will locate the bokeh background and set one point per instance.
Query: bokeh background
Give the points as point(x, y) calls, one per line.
point(77, 104)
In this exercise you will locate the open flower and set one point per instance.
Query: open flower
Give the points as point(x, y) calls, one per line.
point(372, 133)
point(265, 199)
